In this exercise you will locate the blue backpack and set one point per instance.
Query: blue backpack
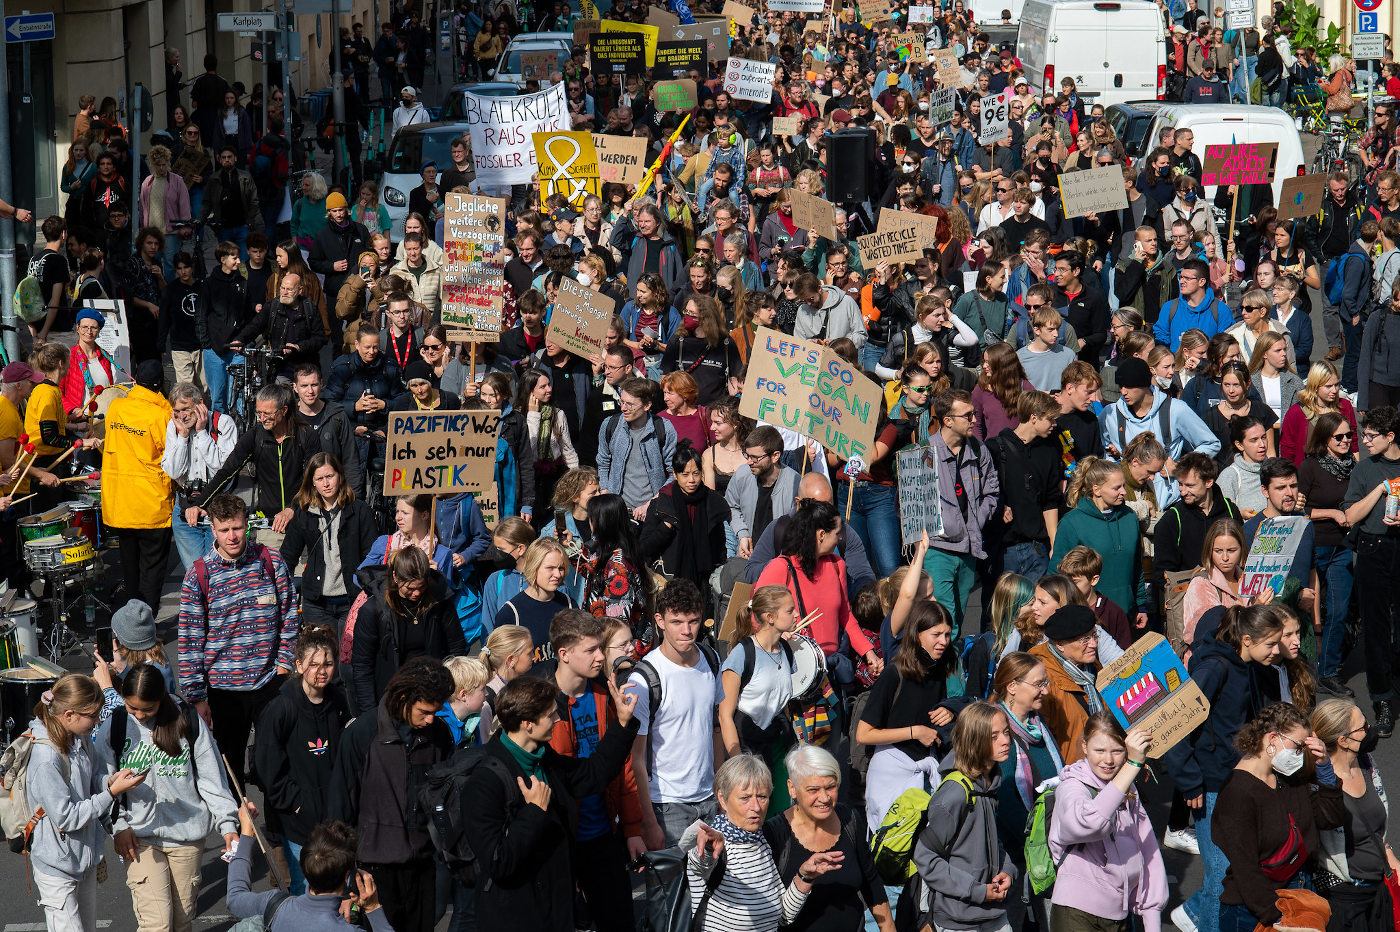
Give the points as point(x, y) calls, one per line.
point(1335, 283)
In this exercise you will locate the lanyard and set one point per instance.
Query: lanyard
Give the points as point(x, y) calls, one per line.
point(402, 360)
point(281, 485)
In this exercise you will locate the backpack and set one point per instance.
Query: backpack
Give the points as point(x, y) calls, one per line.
point(201, 572)
point(892, 845)
point(982, 688)
point(1041, 867)
point(263, 921)
point(29, 300)
point(653, 681)
point(17, 817)
point(442, 797)
point(1164, 417)
point(657, 425)
point(1334, 284)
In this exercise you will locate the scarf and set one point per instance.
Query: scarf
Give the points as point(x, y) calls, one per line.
point(532, 762)
point(731, 832)
point(1025, 735)
point(696, 561)
point(546, 428)
point(1081, 677)
point(1337, 466)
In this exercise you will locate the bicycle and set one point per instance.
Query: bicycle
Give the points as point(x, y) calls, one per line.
point(1338, 153)
point(247, 379)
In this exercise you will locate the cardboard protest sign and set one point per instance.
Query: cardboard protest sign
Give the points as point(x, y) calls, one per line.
point(489, 501)
point(909, 46)
point(650, 35)
point(1239, 163)
point(537, 65)
point(501, 129)
point(675, 96)
point(919, 498)
point(618, 53)
point(820, 100)
point(662, 18)
point(1272, 554)
point(1301, 197)
point(796, 6)
point(740, 14)
point(900, 237)
point(440, 452)
point(713, 33)
point(787, 126)
point(949, 71)
point(873, 11)
point(568, 166)
point(749, 80)
point(585, 29)
point(810, 212)
point(807, 388)
point(579, 322)
point(942, 104)
point(996, 118)
point(1093, 190)
point(920, 13)
point(1147, 687)
point(621, 159)
point(473, 272)
point(676, 59)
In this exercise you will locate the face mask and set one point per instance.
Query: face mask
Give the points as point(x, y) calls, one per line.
point(923, 105)
point(1368, 744)
point(1162, 383)
point(689, 322)
point(1190, 198)
point(1036, 187)
point(724, 294)
point(1165, 172)
point(966, 188)
point(1288, 762)
point(908, 168)
point(585, 279)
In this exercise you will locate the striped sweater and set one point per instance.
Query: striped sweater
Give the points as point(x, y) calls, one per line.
point(750, 896)
point(237, 634)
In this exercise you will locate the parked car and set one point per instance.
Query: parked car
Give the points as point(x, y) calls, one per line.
point(510, 67)
point(412, 146)
point(1115, 49)
point(454, 105)
point(1228, 124)
point(1131, 121)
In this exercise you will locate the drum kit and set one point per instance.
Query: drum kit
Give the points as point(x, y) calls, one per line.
point(21, 688)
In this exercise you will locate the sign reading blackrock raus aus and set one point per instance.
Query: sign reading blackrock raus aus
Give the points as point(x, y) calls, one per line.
point(440, 452)
point(502, 132)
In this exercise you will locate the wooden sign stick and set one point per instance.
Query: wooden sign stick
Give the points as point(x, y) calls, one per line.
point(282, 882)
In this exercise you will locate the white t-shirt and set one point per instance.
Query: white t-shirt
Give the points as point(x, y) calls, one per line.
point(682, 732)
point(770, 687)
point(1273, 394)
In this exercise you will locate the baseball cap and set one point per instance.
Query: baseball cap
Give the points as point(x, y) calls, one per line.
point(18, 372)
point(840, 115)
point(1179, 28)
point(1021, 80)
point(564, 213)
point(409, 91)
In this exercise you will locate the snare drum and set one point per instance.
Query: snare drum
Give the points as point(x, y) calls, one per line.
point(48, 524)
point(58, 553)
point(808, 668)
point(86, 518)
point(21, 688)
point(20, 614)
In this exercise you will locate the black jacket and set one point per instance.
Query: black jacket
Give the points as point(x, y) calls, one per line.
point(525, 849)
point(897, 307)
point(331, 245)
point(336, 436)
point(377, 651)
point(1030, 475)
point(601, 405)
point(351, 377)
point(380, 767)
point(1181, 533)
point(300, 324)
point(257, 445)
point(1321, 226)
point(513, 346)
point(306, 533)
point(294, 756)
point(225, 309)
point(659, 537)
point(515, 431)
point(180, 307)
point(1087, 313)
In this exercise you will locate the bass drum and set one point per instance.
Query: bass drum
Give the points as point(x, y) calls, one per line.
point(21, 688)
point(98, 418)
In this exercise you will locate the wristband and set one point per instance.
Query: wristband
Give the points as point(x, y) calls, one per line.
point(1138, 763)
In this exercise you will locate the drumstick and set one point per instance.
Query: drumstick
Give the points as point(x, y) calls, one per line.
point(24, 499)
point(94, 476)
point(811, 617)
point(77, 445)
point(28, 448)
point(257, 832)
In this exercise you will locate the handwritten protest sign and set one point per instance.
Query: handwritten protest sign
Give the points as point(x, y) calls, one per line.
point(920, 13)
point(579, 322)
point(676, 59)
point(621, 159)
point(501, 130)
point(489, 501)
point(713, 33)
point(674, 96)
point(585, 29)
point(942, 104)
point(796, 6)
point(1272, 554)
point(996, 118)
point(1301, 197)
point(900, 237)
point(807, 388)
point(473, 283)
point(618, 53)
point(536, 66)
point(787, 126)
point(740, 14)
point(1147, 687)
point(568, 166)
point(1239, 163)
point(1094, 190)
point(873, 11)
point(949, 71)
point(909, 46)
point(749, 80)
point(919, 498)
point(650, 35)
point(440, 452)
point(810, 212)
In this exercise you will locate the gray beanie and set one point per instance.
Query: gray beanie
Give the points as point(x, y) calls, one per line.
point(134, 626)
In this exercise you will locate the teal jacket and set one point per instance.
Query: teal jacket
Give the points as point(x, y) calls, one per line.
point(1115, 538)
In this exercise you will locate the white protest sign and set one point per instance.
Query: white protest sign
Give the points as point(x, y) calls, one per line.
point(942, 104)
point(440, 452)
point(920, 13)
point(796, 6)
point(1239, 14)
point(996, 119)
point(749, 80)
point(115, 336)
point(502, 132)
point(917, 469)
point(1271, 557)
point(1094, 190)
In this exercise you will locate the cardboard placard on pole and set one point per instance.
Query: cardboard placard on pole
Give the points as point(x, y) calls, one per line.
point(1301, 197)
point(1239, 163)
point(949, 72)
point(1147, 687)
point(579, 322)
point(1093, 190)
point(568, 166)
point(585, 29)
point(662, 18)
point(536, 66)
point(473, 273)
point(873, 11)
point(942, 104)
point(440, 452)
point(675, 96)
point(787, 126)
point(740, 14)
point(795, 6)
point(996, 119)
point(712, 32)
point(901, 236)
point(618, 53)
point(919, 497)
point(807, 388)
point(621, 159)
point(909, 46)
point(810, 212)
point(1272, 554)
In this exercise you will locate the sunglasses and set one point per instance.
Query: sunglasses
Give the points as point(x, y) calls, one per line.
point(1346, 436)
point(1035, 307)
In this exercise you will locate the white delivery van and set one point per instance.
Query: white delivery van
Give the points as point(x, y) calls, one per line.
point(1114, 49)
point(1223, 124)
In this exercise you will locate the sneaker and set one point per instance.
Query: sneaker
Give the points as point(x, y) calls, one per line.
point(1385, 718)
point(1183, 839)
point(1181, 920)
point(1336, 687)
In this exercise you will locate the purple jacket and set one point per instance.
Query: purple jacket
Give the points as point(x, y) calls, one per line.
point(1112, 865)
point(981, 486)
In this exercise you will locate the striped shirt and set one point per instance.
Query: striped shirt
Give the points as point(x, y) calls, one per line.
point(750, 896)
point(237, 634)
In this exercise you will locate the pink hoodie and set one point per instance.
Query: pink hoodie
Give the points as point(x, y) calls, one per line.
point(1112, 866)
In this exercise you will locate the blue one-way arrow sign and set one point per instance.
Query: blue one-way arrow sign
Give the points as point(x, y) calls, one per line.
point(29, 27)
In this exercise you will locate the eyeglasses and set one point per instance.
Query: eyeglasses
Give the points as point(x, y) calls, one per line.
point(1346, 436)
point(756, 457)
point(432, 346)
point(1371, 436)
point(1039, 687)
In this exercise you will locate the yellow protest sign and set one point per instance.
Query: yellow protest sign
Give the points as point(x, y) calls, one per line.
point(650, 35)
point(568, 166)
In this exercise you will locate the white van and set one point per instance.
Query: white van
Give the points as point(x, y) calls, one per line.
point(1223, 124)
point(1114, 49)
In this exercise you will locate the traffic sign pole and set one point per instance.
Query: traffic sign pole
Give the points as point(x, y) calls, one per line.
point(7, 229)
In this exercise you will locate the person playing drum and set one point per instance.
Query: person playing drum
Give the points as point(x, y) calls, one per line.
point(90, 368)
point(45, 417)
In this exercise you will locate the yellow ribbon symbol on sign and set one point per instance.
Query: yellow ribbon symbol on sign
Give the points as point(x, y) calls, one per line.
point(576, 187)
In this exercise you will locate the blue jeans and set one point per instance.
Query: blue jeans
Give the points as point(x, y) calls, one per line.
point(1333, 565)
point(191, 542)
point(870, 355)
point(238, 236)
point(298, 879)
point(1352, 359)
point(875, 519)
point(1030, 560)
point(167, 258)
point(216, 374)
point(1204, 905)
point(953, 576)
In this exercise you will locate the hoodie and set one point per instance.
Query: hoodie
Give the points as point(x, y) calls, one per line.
point(838, 316)
point(1114, 536)
point(1210, 315)
point(178, 804)
point(1184, 429)
point(295, 752)
point(1109, 862)
point(69, 840)
point(959, 852)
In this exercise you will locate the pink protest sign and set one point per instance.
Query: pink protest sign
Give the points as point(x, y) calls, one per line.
point(1239, 163)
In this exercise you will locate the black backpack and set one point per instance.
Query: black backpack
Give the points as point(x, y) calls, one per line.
point(653, 681)
point(443, 798)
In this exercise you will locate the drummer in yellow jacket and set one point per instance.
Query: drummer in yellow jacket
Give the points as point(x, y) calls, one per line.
point(138, 497)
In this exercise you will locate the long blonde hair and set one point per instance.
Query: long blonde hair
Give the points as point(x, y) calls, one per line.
point(1090, 472)
point(1266, 342)
point(1319, 375)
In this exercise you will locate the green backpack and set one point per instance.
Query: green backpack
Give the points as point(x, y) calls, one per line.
point(892, 845)
point(29, 300)
point(1041, 867)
